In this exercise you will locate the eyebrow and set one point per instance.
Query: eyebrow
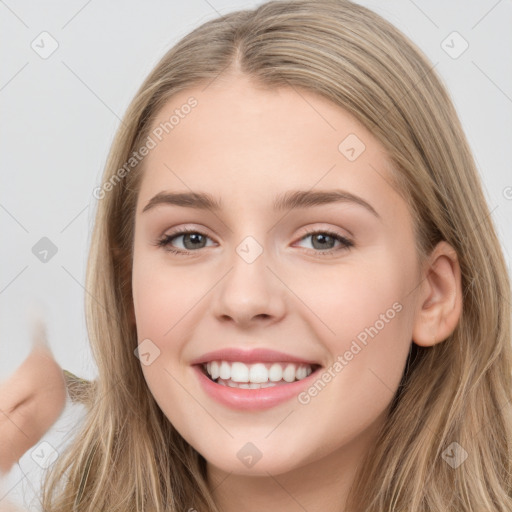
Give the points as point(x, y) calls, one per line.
point(289, 200)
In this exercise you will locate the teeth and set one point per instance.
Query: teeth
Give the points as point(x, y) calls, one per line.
point(256, 375)
point(239, 372)
point(275, 373)
point(225, 370)
point(214, 370)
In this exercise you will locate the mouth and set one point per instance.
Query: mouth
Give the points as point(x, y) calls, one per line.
point(236, 374)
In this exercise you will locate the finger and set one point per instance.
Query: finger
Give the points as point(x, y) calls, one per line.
point(31, 400)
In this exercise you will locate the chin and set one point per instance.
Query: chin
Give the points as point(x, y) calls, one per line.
point(248, 459)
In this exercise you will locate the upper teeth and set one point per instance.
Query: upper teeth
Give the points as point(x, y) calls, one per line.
point(258, 372)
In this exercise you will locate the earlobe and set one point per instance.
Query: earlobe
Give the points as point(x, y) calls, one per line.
point(440, 298)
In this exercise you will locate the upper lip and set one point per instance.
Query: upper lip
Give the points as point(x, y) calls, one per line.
point(256, 355)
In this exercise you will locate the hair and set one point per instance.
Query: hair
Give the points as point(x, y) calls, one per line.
point(126, 454)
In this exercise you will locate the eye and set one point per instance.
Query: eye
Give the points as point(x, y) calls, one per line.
point(322, 240)
point(193, 237)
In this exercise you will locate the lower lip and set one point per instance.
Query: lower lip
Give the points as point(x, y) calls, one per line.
point(253, 399)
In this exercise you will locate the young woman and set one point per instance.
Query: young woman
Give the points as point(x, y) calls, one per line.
point(298, 298)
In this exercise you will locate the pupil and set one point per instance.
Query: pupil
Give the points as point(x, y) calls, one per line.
point(194, 237)
point(319, 238)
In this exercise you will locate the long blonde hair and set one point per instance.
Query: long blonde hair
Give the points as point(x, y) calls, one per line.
point(126, 455)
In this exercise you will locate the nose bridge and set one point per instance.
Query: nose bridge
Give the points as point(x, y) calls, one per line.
point(249, 268)
point(249, 289)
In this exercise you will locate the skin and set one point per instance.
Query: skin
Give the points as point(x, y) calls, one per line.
point(244, 144)
point(31, 401)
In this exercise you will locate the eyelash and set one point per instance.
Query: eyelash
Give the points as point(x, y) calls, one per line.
point(164, 242)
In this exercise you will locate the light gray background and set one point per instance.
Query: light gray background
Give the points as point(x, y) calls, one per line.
point(59, 116)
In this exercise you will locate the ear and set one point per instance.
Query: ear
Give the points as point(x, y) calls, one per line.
point(440, 297)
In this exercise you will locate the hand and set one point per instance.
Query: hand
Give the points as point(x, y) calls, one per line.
point(31, 400)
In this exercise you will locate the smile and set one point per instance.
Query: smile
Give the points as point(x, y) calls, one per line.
point(238, 392)
point(237, 374)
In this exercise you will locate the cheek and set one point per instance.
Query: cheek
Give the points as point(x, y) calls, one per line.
point(164, 299)
point(160, 299)
point(160, 296)
point(363, 315)
point(352, 296)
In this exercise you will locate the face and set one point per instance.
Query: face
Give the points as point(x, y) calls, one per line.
point(326, 281)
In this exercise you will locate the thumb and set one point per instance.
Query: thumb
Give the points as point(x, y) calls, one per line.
point(31, 400)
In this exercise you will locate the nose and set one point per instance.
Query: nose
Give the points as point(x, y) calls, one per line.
point(250, 293)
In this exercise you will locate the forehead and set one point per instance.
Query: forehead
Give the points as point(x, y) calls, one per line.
point(243, 139)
